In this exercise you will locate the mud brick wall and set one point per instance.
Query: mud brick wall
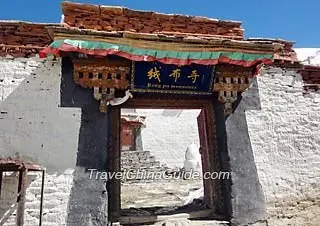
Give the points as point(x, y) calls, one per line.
point(283, 55)
point(105, 18)
point(287, 53)
point(311, 75)
point(20, 39)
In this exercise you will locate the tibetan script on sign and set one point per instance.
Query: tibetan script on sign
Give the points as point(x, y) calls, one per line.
point(168, 78)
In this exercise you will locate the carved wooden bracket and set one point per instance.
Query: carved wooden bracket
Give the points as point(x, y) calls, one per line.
point(228, 98)
point(108, 78)
point(231, 80)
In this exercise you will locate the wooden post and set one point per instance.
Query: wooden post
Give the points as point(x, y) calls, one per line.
point(208, 148)
point(211, 138)
point(114, 163)
point(0, 182)
point(19, 185)
point(41, 198)
point(203, 138)
point(21, 197)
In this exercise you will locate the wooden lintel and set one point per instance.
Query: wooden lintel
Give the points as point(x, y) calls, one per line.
point(168, 101)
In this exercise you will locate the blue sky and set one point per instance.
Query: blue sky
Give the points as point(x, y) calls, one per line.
point(294, 20)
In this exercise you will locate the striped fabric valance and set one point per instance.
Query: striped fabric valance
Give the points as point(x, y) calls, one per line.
point(177, 56)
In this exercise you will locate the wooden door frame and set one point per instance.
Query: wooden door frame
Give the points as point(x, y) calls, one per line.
point(163, 101)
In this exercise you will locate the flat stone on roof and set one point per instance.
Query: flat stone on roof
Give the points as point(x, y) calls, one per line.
point(111, 18)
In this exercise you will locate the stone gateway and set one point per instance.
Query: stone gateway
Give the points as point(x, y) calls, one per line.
point(63, 91)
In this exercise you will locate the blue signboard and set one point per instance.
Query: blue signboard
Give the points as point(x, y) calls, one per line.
point(168, 78)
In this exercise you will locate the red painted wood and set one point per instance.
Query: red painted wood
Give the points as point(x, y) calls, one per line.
point(204, 152)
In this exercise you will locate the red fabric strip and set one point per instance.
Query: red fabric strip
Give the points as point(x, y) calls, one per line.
point(100, 52)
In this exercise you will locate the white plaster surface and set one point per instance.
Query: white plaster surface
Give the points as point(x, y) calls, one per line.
point(285, 138)
point(168, 133)
point(35, 128)
point(32, 124)
point(309, 56)
point(12, 73)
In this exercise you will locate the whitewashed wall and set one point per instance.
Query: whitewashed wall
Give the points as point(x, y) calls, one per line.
point(32, 124)
point(35, 128)
point(168, 133)
point(284, 134)
point(285, 138)
point(310, 56)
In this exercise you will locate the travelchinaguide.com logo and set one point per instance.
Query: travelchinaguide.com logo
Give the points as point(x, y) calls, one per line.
point(139, 174)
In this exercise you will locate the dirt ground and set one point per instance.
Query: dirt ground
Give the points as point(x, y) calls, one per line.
point(158, 194)
point(175, 194)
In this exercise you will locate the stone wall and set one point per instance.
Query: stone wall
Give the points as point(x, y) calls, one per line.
point(8, 197)
point(35, 128)
point(107, 18)
point(32, 124)
point(285, 140)
point(55, 205)
point(22, 39)
point(280, 158)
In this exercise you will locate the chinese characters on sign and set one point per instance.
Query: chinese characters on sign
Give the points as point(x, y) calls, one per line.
point(154, 73)
point(155, 76)
point(176, 74)
point(194, 75)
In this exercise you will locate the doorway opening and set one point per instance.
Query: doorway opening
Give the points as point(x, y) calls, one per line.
point(141, 197)
point(161, 160)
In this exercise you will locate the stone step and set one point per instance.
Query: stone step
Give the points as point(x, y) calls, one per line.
point(140, 160)
point(125, 154)
point(142, 166)
point(183, 222)
point(137, 159)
